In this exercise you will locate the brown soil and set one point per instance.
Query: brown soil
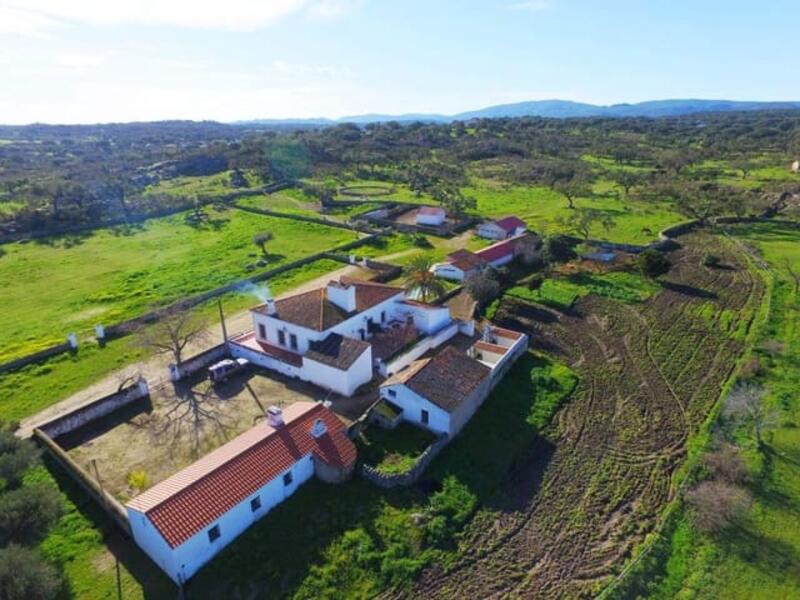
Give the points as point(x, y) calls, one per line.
point(567, 520)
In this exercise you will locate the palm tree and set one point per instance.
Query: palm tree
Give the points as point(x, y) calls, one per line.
point(421, 281)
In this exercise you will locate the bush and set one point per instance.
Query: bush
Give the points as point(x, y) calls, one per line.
point(482, 287)
point(535, 282)
point(27, 513)
point(558, 249)
point(16, 457)
point(653, 263)
point(450, 508)
point(25, 576)
point(420, 241)
point(711, 260)
point(138, 480)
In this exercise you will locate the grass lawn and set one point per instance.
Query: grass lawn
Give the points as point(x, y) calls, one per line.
point(562, 292)
point(29, 390)
point(291, 201)
point(203, 186)
point(761, 558)
point(637, 221)
point(352, 540)
point(393, 451)
point(68, 283)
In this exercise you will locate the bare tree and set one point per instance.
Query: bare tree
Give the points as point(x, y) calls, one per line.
point(746, 405)
point(172, 333)
point(716, 505)
point(726, 464)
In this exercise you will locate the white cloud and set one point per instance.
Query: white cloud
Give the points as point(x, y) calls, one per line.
point(37, 17)
point(531, 5)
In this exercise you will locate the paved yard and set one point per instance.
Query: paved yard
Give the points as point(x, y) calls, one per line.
point(179, 424)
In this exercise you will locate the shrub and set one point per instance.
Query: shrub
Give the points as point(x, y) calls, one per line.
point(450, 508)
point(653, 263)
point(25, 576)
point(138, 480)
point(711, 261)
point(715, 505)
point(28, 512)
point(558, 249)
point(482, 287)
point(16, 457)
point(535, 282)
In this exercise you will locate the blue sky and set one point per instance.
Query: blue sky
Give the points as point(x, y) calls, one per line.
point(82, 61)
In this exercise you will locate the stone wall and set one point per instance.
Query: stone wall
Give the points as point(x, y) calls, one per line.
point(95, 410)
point(409, 477)
point(198, 362)
point(41, 355)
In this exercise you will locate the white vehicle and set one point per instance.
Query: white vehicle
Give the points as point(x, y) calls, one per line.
point(225, 368)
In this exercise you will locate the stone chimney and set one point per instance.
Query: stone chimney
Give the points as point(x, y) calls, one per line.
point(319, 429)
point(275, 417)
point(342, 295)
point(272, 310)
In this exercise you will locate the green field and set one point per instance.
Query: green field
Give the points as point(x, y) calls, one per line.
point(637, 221)
point(759, 558)
point(202, 186)
point(69, 283)
point(35, 387)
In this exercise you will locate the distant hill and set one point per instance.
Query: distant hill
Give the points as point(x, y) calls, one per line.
point(558, 109)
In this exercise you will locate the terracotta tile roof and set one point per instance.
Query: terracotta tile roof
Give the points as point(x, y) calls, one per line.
point(498, 250)
point(192, 499)
point(509, 224)
point(506, 333)
point(314, 311)
point(481, 345)
point(251, 342)
point(465, 260)
point(337, 351)
point(447, 379)
point(431, 210)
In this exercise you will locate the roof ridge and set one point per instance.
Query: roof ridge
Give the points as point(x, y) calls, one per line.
point(314, 406)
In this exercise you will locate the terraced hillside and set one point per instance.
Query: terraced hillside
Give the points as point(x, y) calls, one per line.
point(650, 375)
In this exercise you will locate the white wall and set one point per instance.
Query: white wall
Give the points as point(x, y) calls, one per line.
point(427, 319)
point(341, 382)
point(347, 328)
point(182, 562)
point(448, 271)
point(436, 220)
point(413, 404)
point(491, 231)
point(504, 260)
point(260, 359)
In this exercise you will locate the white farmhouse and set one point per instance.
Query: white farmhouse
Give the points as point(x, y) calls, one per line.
point(432, 216)
point(184, 521)
point(443, 392)
point(502, 229)
point(460, 264)
point(337, 335)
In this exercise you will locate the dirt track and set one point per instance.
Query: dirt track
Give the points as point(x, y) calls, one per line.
point(570, 514)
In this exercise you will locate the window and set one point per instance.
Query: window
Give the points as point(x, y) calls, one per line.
point(293, 341)
point(424, 417)
point(213, 533)
point(392, 393)
point(255, 503)
point(262, 331)
point(282, 338)
point(383, 316)
point(287, 478)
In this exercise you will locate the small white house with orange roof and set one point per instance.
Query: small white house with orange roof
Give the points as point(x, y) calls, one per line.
point(184, 521)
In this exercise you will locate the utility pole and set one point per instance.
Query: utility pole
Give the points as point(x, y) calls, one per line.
point(222, 321)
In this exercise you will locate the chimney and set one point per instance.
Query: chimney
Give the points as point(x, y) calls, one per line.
point(275, 417)
point(342, 295)
point(318, 429)
point(272, 310)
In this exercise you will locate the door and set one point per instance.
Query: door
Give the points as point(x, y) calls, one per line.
point(424, 417)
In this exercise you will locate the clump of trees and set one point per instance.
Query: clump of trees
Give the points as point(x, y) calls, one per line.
point(652, 263)
point(483, 287)
point(27, 512)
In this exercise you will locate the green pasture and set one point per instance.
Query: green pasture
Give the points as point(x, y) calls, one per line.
point(68, 283)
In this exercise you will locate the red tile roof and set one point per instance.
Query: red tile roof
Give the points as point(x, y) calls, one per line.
point(314, 311)
point(509, 224)
point(506, 333)
point(337, 351)
point(251, 342)
point(481, 345)
point(465, 260)
point(192, 499)
point(447, 379)
point(498, 250)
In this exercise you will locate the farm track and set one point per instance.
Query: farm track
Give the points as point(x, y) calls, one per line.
point(565, 522)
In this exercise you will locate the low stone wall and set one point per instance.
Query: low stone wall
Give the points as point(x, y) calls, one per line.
point(111, 505)
point(198, 362)
point(409, 477)
point(95, 410)
point(24, 361)
point(307, 219)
